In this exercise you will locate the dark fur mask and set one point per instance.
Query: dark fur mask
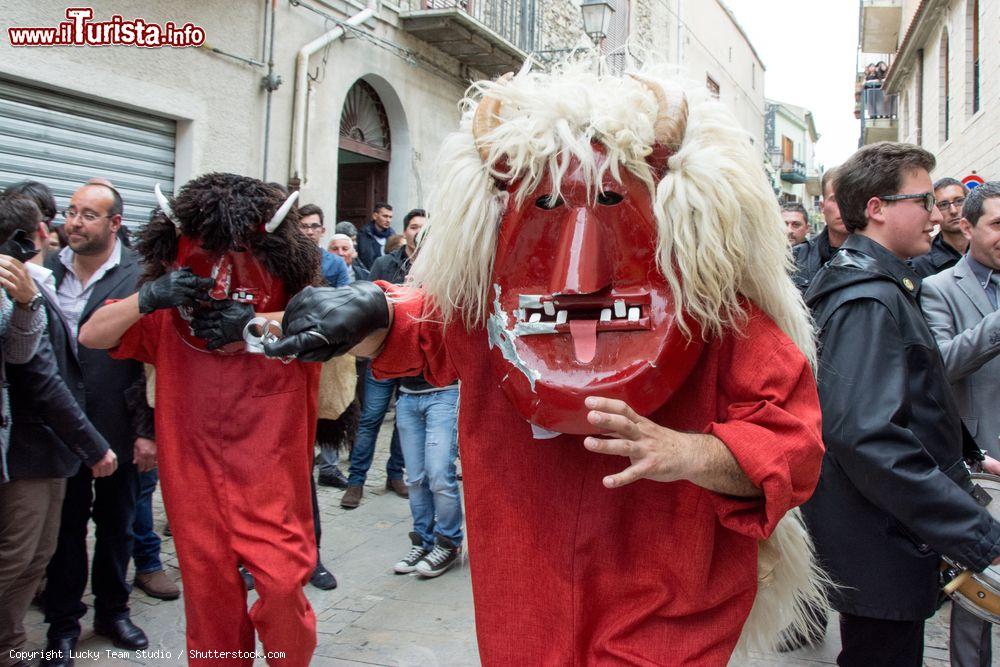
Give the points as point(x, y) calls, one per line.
point(228, 212)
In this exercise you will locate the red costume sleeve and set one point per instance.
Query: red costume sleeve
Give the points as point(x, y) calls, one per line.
point(771, 423)
point(414, 345)
point(140, 340)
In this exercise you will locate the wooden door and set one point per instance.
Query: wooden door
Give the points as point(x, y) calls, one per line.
point(359, 186)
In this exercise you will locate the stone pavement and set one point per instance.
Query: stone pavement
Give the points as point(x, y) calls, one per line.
point(376, 617)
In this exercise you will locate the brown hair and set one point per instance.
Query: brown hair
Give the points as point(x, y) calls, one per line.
point(828, 175)
point(875, 170)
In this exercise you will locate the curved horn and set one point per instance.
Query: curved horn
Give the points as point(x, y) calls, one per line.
point(487, 118)
point(671, 114)
point(279, 215)
point(161, 199)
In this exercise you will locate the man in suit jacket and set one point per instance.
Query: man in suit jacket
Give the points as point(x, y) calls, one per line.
point(960, 305)
point(96, 267)
point(50, 436)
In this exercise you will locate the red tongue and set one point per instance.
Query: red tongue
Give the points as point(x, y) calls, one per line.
point(584, 333)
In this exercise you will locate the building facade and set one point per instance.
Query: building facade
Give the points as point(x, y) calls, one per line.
point(790, 136)
point(945, 75)
point(346, 101)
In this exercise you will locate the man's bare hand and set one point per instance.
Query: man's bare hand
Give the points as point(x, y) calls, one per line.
point(14, 278)
point(991, 465)
point(106, 466)
point(656, 452)
point(145, 454)
point(662, 454)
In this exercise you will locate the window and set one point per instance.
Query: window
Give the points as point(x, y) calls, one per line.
point(787, 150)
point(972, 74)
point(919, 98)
point(753, 75)
point(944, 88)
point(713, 86)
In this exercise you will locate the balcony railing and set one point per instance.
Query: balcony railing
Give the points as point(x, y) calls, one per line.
point(879, 121)
point(793, 172)
point(492, 36)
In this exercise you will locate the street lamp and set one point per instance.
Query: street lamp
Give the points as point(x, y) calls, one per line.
point(777, 159)
point(596, 18)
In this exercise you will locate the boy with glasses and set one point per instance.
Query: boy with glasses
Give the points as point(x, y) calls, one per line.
point(949, 245)
point(894, 491)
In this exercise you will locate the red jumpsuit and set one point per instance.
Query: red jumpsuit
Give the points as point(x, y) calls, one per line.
point(234, 447)
point(566, 572)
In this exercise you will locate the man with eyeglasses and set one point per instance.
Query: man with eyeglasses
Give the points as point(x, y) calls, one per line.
point(949, 245)
point(961, 307)
point(93, 268)
point(334, 268)
point(894, 490)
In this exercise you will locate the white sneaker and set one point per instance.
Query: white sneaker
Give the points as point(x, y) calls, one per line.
point(444, 554)
point(408, 563)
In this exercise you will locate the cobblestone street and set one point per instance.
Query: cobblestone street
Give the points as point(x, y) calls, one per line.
point(375, 617)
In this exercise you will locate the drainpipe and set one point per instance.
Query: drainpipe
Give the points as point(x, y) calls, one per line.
point(270, 83)
point(300, 108)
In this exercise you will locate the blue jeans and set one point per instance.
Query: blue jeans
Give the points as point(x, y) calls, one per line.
point(146, 545)
point(327, 461)
point(378, 393)
point(427, 430)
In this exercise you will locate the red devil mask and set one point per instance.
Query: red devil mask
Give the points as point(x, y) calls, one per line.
point(239, 276)
point(580, 307)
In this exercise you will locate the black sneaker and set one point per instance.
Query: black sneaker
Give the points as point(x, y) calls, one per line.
point(322, 578)
point(443, 556)
point(335, 479)
point(409, 562)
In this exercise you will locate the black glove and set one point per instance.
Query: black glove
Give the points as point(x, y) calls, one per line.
point(221, 322)
point(323, 322)
point(177, 288)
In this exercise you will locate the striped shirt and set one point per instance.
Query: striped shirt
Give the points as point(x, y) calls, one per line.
point(72, 293)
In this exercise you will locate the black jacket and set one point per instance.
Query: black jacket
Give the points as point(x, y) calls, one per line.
point(894, 489)
point(106, 379)
point(369, 249)
point(392, 267)
point(50, 435)
point(941, 256)
point(810, 258)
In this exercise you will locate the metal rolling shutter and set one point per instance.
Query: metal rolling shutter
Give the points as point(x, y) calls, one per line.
point(62, 140)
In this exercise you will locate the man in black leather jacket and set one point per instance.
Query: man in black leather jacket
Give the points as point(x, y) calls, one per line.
point(817, 251)
point(894, 491)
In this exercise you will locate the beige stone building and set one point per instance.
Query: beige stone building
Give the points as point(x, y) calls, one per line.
point(945, 75)
point(345, 100)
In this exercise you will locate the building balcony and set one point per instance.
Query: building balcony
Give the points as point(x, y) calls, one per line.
point(881, 21)
point(492, 36)
point(879, 120)
point(813, 180)
point(793, 172)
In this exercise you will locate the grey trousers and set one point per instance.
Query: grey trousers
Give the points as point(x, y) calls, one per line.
point(969, 643)
point(30, 512)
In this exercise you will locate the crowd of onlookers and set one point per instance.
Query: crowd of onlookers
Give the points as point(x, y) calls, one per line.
point(902, 281)
point(79, 438)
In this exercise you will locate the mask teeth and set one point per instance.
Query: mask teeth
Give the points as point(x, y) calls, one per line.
point(546, 313)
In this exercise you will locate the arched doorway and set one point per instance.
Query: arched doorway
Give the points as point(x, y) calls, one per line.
point(363, 156)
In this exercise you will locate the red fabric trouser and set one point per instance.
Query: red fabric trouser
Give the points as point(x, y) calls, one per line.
point(246, 502)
